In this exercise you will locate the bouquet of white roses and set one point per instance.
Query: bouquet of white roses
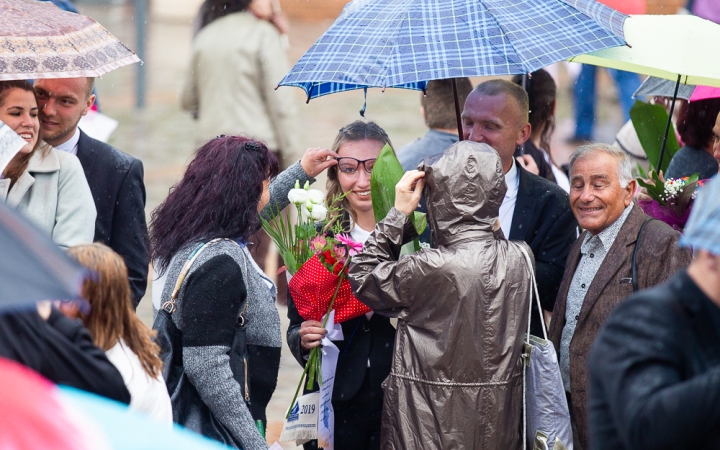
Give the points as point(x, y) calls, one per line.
point(294, 241)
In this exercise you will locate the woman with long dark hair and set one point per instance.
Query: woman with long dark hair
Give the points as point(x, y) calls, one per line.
point(218, 201)
point(367, 347)
point(541, 90)
point(115, 328)
point(45, 185)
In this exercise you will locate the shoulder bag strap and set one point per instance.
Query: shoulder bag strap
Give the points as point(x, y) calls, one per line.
point(634, 255)
point(527, 347)
point(170, 306)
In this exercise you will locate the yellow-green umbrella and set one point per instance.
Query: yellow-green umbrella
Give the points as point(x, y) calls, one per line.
point(667, 47)
point(681, 48)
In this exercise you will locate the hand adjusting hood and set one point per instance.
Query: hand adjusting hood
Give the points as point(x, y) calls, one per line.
point(464, 188)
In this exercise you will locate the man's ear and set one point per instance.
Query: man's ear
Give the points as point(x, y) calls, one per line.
point(630, 191)
point(524, 134)
point(88, 104)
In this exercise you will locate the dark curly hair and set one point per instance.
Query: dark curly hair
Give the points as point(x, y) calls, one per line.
point(215, 9)
point(696, 121)
point(217, 197)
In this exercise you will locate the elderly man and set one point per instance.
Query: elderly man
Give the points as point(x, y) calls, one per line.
point(655, 366)
point(534, 209)
point(609, 260)
point(115, 178)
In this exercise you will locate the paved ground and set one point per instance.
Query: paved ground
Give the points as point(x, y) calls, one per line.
point(162, 134)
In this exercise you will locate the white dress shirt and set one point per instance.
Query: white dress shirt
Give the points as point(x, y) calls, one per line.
point(71, 145)
point(512, 180)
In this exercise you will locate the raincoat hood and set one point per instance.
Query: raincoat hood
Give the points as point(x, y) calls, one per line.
point(464, 188)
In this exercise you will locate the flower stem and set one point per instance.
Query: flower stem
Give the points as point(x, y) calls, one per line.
point(312, 366)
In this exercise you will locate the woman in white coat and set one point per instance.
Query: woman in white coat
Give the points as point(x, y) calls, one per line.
point(45, 185)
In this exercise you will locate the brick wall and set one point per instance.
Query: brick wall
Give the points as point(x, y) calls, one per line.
point(664, 6)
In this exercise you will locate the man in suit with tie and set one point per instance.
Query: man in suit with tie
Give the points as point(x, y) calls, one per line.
point(534, 209)
point(115, 178)
point(599, 271)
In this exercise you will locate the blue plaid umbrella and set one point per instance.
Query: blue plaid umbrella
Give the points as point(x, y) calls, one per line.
point(406, 43)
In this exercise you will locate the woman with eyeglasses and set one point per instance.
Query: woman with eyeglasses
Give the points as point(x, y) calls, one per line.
point(366, 351)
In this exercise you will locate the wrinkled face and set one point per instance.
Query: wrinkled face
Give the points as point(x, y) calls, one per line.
point(497, 121)
point(357, 183)
point(19, 111)
point(265, 196)
point(716, 140)
point(62, 103)
point(596, 197)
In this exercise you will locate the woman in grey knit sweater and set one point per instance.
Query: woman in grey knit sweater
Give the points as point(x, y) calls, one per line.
point(224, 190)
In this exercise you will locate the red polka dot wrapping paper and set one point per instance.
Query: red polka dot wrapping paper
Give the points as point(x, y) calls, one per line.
point(312, 288)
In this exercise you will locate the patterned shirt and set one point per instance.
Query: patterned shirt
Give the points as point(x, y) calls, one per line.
point(593, 250)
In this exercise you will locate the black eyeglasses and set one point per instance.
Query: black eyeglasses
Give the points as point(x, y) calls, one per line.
point(351, 165)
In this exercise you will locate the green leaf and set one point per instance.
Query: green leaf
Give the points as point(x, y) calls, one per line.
point(650, 122)
point(386, 173)
point(419, 221)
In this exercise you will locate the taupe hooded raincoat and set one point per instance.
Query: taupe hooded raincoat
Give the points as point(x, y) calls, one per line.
point(456, 379)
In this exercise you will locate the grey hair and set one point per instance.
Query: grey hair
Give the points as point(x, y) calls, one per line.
point(624, 167)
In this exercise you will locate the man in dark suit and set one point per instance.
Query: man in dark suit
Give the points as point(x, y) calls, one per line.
point(115, 178)
point(598, 274)
point(534, 210)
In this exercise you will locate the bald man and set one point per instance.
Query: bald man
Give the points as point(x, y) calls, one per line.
point(534, 209)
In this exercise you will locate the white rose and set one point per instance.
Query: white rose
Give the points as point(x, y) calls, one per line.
point(316, 196)
point(304, 213)
point(319, 213)
point(298, 196)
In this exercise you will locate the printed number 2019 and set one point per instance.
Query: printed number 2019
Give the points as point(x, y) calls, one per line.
point(308, 409)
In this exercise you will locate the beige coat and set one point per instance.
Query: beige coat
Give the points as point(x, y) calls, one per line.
point(456, 377)
point(236, 63)
point(54, 194)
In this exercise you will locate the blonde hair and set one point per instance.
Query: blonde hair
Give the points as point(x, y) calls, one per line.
point(112, 316)
point(354, 132)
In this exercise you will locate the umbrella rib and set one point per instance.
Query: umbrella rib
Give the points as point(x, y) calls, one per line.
point(509, 42)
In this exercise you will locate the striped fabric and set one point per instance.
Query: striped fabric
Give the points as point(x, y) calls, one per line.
point(405, 43)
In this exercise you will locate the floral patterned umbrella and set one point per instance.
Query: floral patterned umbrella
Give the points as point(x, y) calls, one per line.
point(39, 40)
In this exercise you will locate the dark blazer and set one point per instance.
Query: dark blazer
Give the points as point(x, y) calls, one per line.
point(363, 340)
point(116, 183)
point(655, 372)
point(544, 220)
point(658, 258)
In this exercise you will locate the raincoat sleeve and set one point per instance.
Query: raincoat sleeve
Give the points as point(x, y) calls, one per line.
point(377, 277)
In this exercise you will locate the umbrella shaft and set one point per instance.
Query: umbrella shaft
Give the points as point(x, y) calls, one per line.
point(457, 109)
point(667, 126)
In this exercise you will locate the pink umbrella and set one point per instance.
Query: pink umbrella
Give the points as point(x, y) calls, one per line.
point(704, 93)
